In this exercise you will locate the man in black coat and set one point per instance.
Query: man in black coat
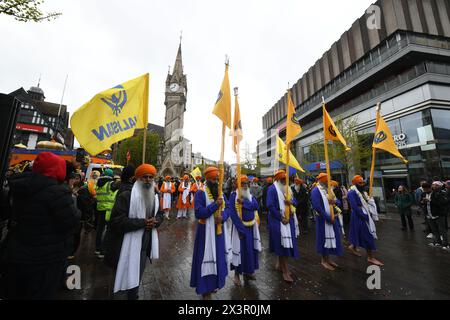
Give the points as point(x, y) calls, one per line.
point(300, 194)
point(438, 206)
point(121, 223)
point(43, 216)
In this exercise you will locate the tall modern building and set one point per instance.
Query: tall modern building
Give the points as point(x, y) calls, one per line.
point(398, 54)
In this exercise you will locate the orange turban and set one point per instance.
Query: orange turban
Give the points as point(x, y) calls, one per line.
point(280, 175)
point(167, 178)
point(323, 177)
point(298, 181)
point(357, 179)
point(145, 169)
point(185, 177)
point(198, 178)
point(269, 180)
point(255, 180)
point(244, 179)
point(211, 172)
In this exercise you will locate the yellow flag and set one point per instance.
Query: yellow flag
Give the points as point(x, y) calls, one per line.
point(293, 128)
point(112, 115)
point(281, 154)
point(236, 131)
point(383, 139)
point(222, 109)
point(330, 130)
point(196, 173)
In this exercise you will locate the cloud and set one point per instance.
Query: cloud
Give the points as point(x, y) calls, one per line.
point(102, 43)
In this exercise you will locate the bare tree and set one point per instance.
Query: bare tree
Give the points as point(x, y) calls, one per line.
point(26, 10)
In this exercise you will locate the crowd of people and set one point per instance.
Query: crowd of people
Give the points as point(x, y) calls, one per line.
point(49, 206)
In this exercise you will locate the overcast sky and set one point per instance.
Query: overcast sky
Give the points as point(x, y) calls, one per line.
point(101, 43)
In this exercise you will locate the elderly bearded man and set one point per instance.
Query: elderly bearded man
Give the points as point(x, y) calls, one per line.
point(245, 236)
point(362, 228)
point(328, 230)
point(282, 231)
point(211, 247)
point(132, 237)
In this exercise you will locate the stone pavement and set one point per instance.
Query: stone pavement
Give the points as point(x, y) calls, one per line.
point(412, 270)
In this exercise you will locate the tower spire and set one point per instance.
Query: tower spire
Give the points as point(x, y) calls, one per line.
point(178, 67)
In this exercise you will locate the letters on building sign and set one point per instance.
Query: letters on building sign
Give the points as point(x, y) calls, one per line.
point(400, 140)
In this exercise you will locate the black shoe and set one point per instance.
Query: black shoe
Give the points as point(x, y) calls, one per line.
point(403, 229)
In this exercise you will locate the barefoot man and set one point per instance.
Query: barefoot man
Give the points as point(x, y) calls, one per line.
point(245, 237)
point(328, 230)
point(209, 261)
point(282, 232)
point(362, 228)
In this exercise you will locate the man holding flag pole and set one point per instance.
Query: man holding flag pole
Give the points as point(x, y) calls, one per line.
point(212, 245)
point(328, 229)
point(283, 229)
point(245, 236)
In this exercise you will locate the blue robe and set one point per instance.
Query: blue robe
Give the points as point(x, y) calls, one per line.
point(359, 234)
point(323, 216)
point(249, 256)
point(275, 227)
point(209, 283)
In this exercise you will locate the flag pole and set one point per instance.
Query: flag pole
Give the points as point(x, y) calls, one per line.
point(288, 149)
point(238, 155)
point(327, 161)
point(144, 144)
point(374, 153)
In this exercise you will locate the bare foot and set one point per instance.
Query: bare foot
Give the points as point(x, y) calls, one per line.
point(334, 264)
point(328, 266)
point(277, 267)
point(250, 276)
point(237, 281)
point(375, 262)
point(354, 251)
point(287, 277)
point(206, 296)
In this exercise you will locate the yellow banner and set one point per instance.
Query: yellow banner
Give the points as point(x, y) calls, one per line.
point(196, 173)
point(222, 109)
point(236, 131)
point(293, 128)
point(281, 154)
point(384, 140)
point(112, 115)
point(330, 130)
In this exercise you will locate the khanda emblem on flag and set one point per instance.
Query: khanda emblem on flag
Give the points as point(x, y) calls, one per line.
point(220, 95)
point(117, 100)
point(332, 131)
point(380, 137)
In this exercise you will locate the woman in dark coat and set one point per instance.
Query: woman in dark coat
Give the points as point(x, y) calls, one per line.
point(404, 200)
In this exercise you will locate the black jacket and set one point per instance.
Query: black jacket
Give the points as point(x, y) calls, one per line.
point(439, 203)
point(42, 220)
point(301, 197)
point(120, 224)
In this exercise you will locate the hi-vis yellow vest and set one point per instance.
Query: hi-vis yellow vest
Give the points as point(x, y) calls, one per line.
point(105, 197)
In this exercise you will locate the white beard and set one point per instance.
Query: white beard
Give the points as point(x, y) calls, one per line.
point(246, 194)
point(297, 188)
point(280, 185)
point(149, 197)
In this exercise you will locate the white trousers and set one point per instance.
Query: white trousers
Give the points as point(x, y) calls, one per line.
point(182, 213)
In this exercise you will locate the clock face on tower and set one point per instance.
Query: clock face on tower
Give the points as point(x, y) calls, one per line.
point(174, 87)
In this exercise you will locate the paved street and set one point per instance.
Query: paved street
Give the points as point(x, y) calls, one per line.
point(412, 269)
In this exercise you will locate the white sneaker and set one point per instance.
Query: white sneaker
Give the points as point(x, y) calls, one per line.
point(446, 248)
point(431, 244)
point(430, 236)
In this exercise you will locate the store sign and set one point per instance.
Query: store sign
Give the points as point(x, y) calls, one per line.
point(29, 127)
point(400, 140)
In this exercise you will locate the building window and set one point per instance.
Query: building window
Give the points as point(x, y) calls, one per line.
point(441, 120)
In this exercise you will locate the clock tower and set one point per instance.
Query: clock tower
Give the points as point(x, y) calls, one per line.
point(175, 102)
